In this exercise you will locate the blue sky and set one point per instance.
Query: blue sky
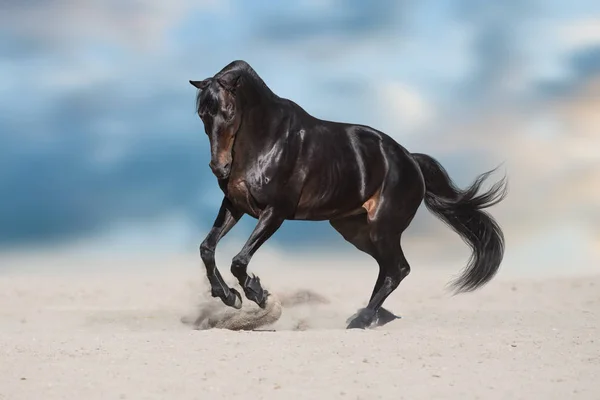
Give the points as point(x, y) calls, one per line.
point(99, 141)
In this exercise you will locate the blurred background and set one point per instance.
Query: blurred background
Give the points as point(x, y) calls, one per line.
point(101, 151)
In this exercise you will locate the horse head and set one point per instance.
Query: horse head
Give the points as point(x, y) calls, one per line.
point(219, 108)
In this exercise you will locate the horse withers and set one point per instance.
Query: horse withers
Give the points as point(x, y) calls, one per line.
point(276, 162)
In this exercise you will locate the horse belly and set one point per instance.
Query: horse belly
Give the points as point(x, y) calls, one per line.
point(324, 201)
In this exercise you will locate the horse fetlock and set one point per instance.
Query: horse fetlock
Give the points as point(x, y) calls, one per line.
point(239, 262)
point(218, 291)
point(239, 272)
point(229, 296)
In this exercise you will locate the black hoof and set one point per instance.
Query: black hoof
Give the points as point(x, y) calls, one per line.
point(383, 317)
point(233, 300)
point(380, 318)
point(363, 320)
point(255, 292)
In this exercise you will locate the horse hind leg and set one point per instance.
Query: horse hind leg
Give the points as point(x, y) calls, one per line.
point(355, 229)
point(387, 219)
point(394, 268)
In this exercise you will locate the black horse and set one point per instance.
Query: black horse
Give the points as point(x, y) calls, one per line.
point(276, 162)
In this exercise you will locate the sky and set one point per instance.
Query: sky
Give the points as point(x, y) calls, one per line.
point(100, 146)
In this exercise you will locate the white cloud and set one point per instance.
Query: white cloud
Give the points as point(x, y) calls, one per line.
point(404, 106)
point(581, 33)
point(69, 22)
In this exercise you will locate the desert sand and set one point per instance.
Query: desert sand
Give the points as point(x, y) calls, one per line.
point(84, 328)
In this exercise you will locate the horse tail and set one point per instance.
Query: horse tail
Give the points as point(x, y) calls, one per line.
point(462, 210)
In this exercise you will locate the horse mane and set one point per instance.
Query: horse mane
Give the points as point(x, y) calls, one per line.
point(246, 70)
point(208, 96)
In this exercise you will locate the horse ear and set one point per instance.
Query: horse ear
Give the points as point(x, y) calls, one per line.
point(229, 81)
point(201, 84)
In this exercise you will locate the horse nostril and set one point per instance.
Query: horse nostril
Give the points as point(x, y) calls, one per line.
point(220, 171)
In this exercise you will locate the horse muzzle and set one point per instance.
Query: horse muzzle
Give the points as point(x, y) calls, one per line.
point(220, 171)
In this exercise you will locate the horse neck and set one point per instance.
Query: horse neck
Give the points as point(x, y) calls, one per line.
point(257, 92)
point(258, 102)
point(253, 139)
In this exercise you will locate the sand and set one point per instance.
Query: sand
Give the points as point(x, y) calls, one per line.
point(116, 333)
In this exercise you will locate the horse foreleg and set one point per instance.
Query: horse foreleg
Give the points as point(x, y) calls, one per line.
point(227, 217)
point(268, 223)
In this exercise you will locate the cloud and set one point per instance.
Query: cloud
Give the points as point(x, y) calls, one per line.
point(405, 106)
point(59, 194)
point(309, 19)
point(64, 24)
point(497, 47)
point(580, 33)
point(585, 63)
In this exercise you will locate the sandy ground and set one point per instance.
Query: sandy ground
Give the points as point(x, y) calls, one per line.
point(111, 334)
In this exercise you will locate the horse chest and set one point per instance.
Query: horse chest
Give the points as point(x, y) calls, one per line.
point(239, 194)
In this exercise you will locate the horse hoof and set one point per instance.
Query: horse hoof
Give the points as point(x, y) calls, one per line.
point(363, 320)
point(383, 317)
point(260, 300)
point(263, 303)
point(356, 325)
point(234, 299)
point(255, 292)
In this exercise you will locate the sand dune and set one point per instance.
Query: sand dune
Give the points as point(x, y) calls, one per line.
point(108, 334)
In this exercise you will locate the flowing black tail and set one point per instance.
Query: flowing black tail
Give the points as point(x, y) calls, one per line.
point(462, 211)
